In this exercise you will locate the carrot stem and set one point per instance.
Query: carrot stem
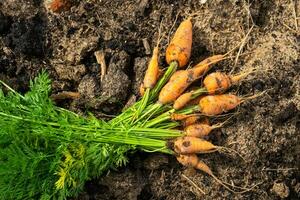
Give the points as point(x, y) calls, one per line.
point(198, 92)
point(171, 69)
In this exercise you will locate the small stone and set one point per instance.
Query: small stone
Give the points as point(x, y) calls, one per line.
point(281, 190)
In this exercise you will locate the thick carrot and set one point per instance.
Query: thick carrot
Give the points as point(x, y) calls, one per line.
point(219, 82)
point(188, 145)
point(180, 47)
point(180, 81)
point(176, 74)
point(216, 104)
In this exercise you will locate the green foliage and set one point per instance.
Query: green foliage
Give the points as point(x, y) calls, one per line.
point(47, 152)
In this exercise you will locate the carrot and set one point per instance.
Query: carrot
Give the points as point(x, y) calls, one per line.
point(180, 81)
point(182, 100)
point(58, 5)
point(219, 82)
point(193, 119)
point(188, 145)
point(178, 116)
point(192, 160)
point(217, 104)
point(176, 74)
point(153, 70)
point(190, 120)
point(200, 129)
point(180, 47)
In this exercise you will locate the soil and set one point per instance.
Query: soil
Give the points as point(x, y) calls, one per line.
point(265, 130)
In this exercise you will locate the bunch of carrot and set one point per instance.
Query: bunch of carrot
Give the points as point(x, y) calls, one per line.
point(71, 149)
point(190, 107)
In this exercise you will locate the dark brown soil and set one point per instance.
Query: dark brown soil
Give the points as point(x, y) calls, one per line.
point(265, 130)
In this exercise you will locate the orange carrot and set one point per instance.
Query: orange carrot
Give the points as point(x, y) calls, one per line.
point(178, 116)
point(182, 100)
point(180, 47)
point(219, 82)
point(58, 5)
point(217, 104)
point(152, 72)
point(191, 160)
point(190, 120)
point(176, 74)
point(200, 129)
point(188, 145)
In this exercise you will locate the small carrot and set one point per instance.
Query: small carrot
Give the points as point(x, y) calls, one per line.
point(178, 116)
point(180, 47)
point(190, 120)
point(200, 129)
point(185, 98)
point(192, 160)
point(58, 5)
point(182, 100)
point(188, 145)
point(195, 119)
point(153, 70)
